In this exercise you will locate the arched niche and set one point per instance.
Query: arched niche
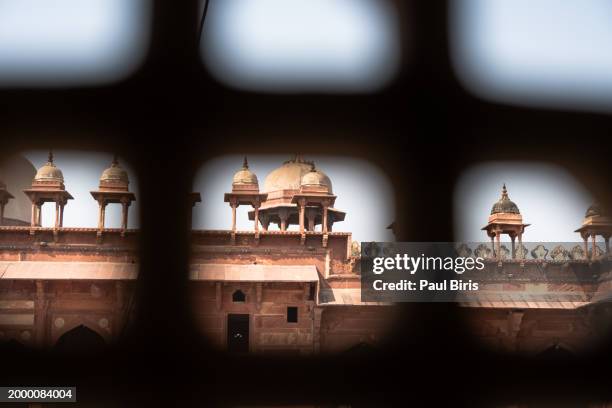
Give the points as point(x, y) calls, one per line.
point(238, 296)
point(80, 340)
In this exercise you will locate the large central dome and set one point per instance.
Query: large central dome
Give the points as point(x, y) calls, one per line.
point(289, 176)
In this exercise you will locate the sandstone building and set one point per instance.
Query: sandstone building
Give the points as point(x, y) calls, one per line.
point(294, 289)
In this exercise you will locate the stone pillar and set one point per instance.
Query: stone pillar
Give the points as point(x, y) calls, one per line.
point(39, 215)
point(492, 247)
point(324, 221)
point(57, 205)
point(498, 245)
point(513, 238)
point(101, 215)
point(283, 214)
point(593, 239)
point(125, 205)
point(233, 204)
point(34, 216)
point(607, 241)
point(301, 208)
point(2, 213)
point(256, 207)
point(61, 223)
point(520, 240)
point(585, 237)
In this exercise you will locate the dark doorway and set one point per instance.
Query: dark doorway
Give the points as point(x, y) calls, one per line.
point(238, 333)
point(80, 340)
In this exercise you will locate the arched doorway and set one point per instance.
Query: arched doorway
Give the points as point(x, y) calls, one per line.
point(80, 340)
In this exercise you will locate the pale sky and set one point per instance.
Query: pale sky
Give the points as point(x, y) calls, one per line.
point(535, 52)
point(82, 172)
point(71, 42)
point(363, 192)
point(302, 45)
point(549, 198)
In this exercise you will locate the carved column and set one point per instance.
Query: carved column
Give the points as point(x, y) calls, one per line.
point(101, 215)
point(34, 216)
point(39, 214)
point(325, 206)
point(498, 245)
point(125, 206)
point(256, 207)
point(283, 214)
point(302, 208)
point(593, 254)
point(61, 222)
point(233, 204)
point(57, 216)
point(513, 238)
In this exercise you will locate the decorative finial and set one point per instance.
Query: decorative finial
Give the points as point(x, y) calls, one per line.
point(245, 163)
point(297, 158)
point(504, 191)
point(50, 157)
point(312, 168)
point(115, 160)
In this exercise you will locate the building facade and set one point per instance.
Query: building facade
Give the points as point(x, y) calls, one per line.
point(290, 290)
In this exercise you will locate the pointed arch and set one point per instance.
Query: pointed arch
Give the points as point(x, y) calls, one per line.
point(80, 340)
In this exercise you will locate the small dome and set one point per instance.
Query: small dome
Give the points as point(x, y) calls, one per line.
point(245, 176)
point(594, 210)
point(115, 174)
point(49, 172)
point(315, 178)
point(505, 205)
point(289, 176)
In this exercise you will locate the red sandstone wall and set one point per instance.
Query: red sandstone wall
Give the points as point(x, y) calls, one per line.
point(269, 330)
point(532, 331)
point(343, 327)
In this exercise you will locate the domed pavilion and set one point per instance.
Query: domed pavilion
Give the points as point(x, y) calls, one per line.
point(113, 189)
point(48, 186)
point(596, 221)
point(505, 218)
point(281, 187)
